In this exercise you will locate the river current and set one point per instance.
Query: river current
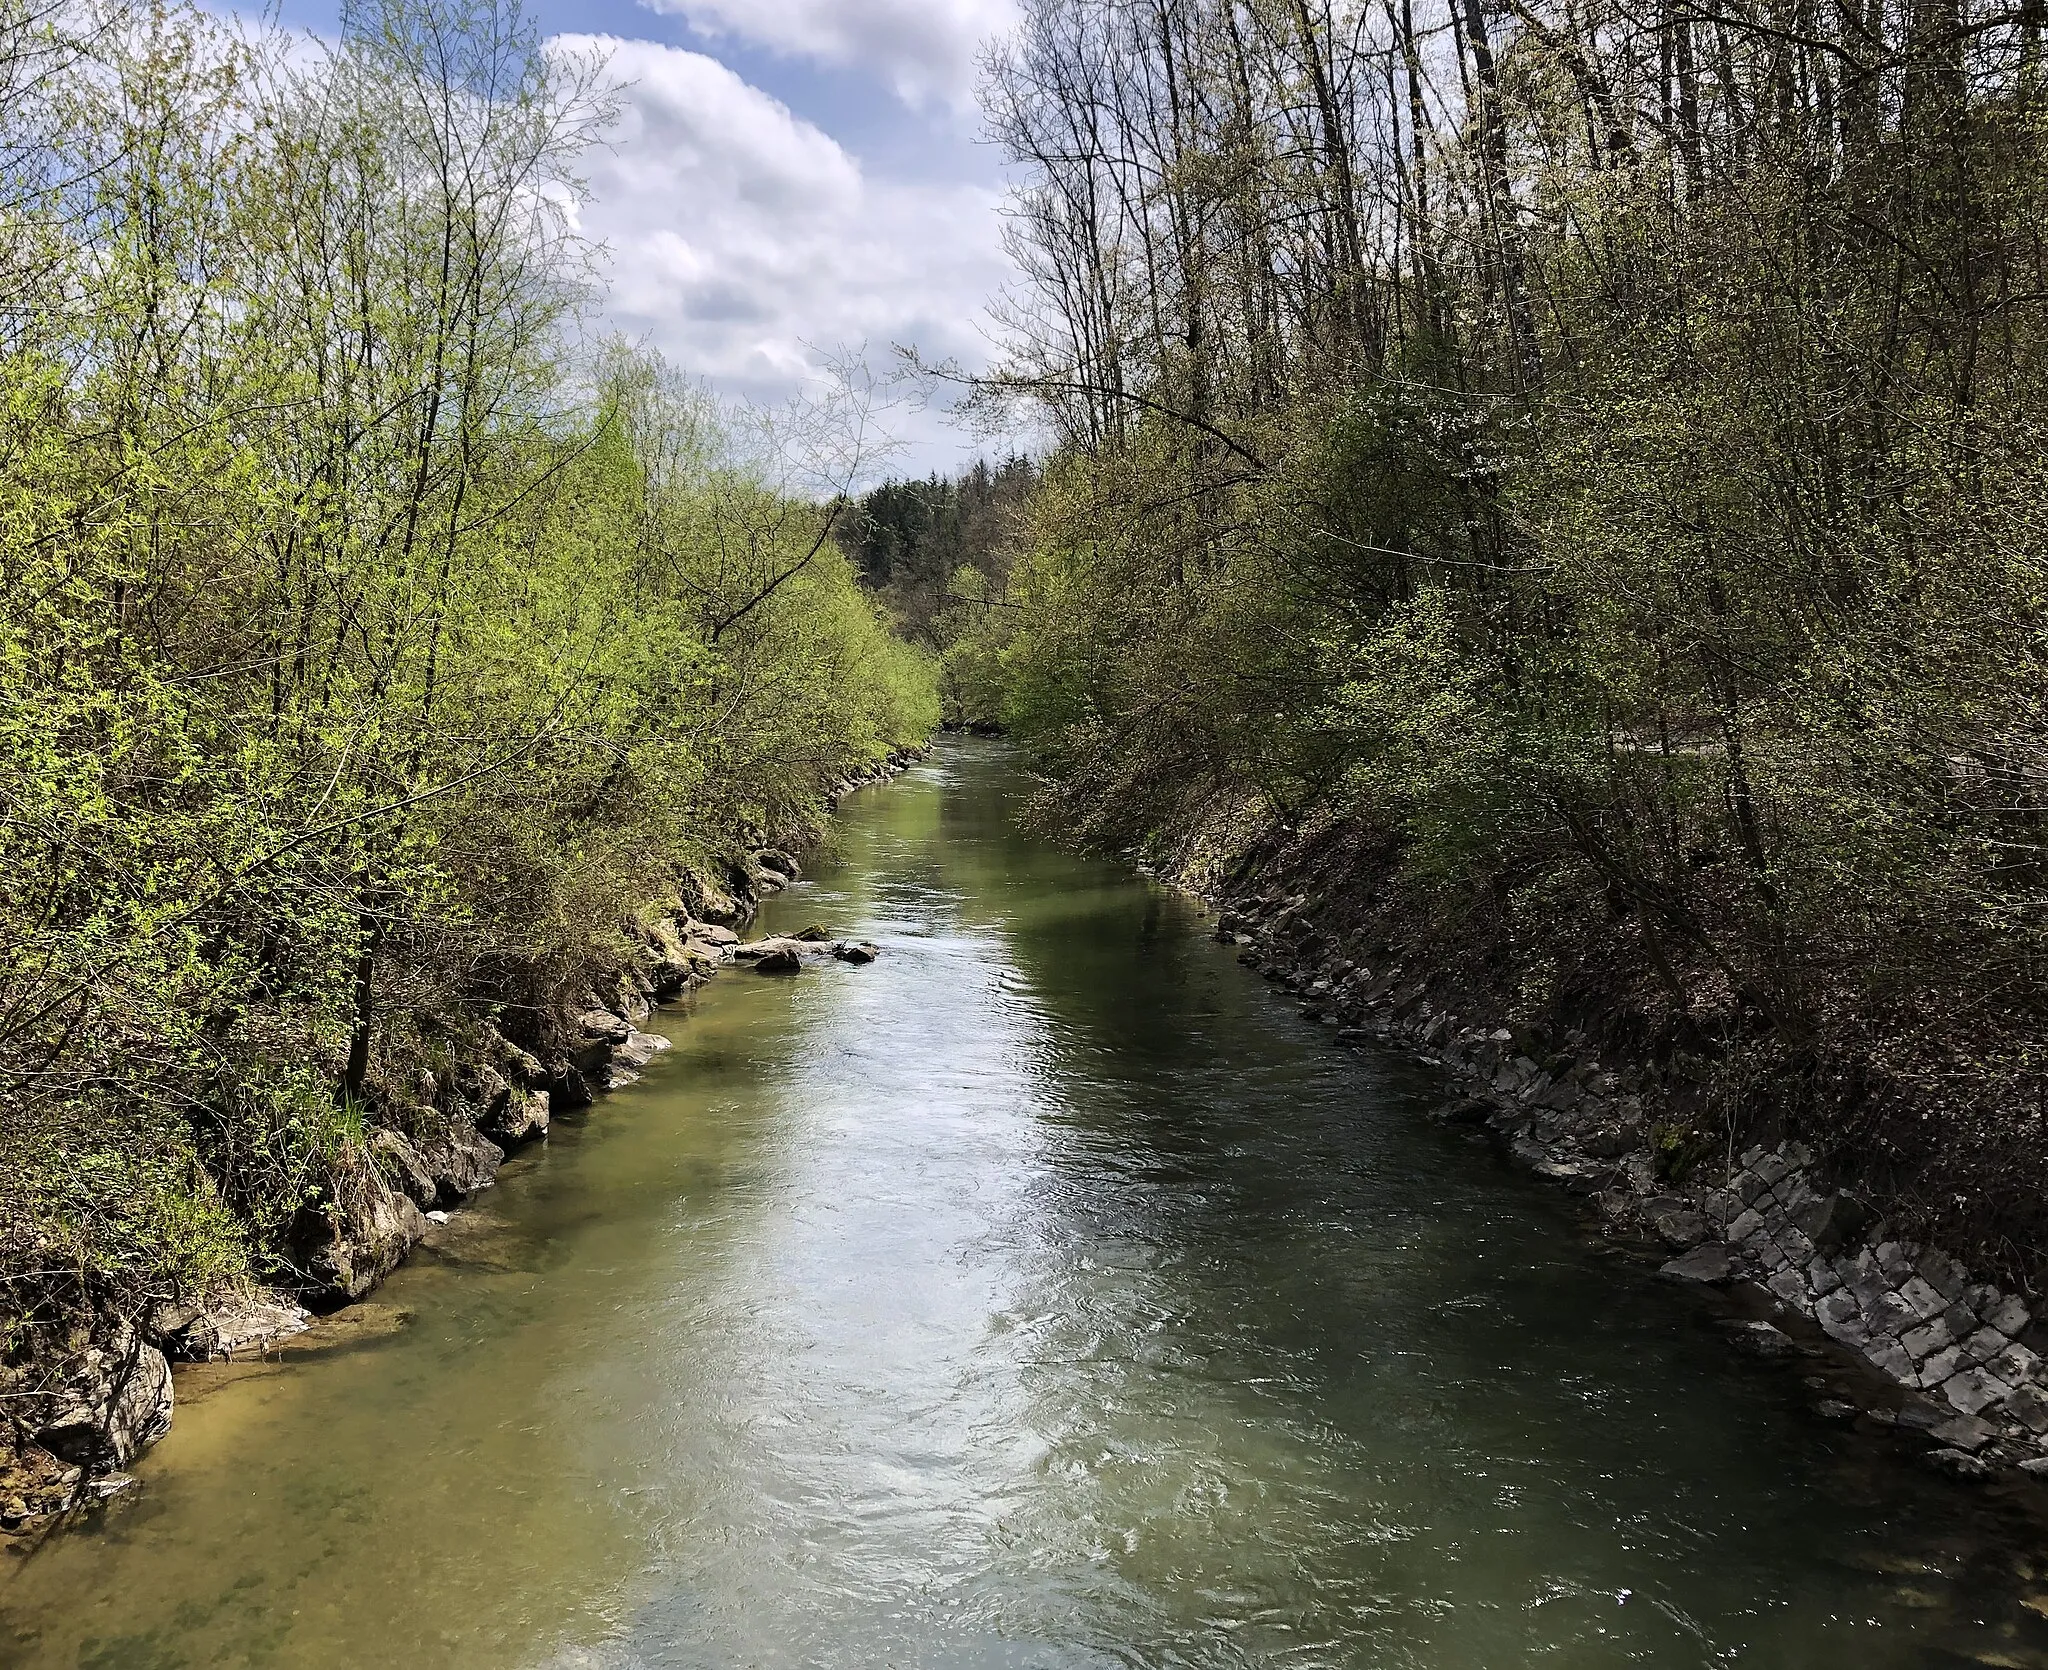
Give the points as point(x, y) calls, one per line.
point(1048, 1294)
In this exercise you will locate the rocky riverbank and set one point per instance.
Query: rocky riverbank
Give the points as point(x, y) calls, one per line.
point(1953, 1362)
point(425, 1151)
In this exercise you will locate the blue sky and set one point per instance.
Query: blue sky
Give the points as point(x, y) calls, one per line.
point(791, 179)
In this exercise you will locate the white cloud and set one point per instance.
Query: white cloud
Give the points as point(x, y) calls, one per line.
point(748, 245)
point(926, 50)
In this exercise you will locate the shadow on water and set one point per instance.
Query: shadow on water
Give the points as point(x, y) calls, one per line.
point(1048, 1295)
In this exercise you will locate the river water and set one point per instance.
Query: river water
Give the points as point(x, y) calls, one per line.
point(1048, 1294)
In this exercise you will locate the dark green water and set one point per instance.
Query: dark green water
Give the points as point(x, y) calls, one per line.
point(1046, 1295)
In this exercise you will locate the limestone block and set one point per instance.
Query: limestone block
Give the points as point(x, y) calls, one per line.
point(1925, 1300)
point(1974, 1389)
point(2029, 1407)
point(1923, 1342)
point(1789, 1287)
point(1944, 1365)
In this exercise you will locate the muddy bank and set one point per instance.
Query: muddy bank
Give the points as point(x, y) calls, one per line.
point(427, 1147)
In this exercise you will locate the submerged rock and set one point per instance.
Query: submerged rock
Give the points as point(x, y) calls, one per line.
point(1709, 1265)
point(858, 954)
point(1762, 1339)
point(34, 1485)
point(1959, 1464)
point(1965, 1432)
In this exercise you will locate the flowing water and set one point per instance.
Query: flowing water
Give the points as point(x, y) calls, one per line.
point(1047, 1294)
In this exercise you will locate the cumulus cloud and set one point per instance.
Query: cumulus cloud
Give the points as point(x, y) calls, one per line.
point(924, 49)
point(750, 247)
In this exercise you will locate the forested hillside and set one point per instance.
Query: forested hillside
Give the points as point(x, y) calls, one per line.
point(938, 553)
point(372, 645)
point(1572, 477)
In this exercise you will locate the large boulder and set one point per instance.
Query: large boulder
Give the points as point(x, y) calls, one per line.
point(345, 1245)
point(640, 1049)
point(598, 1032)
point(634, 990)
point(516, 1119)
point(400, 1161)
point(485, 1086)
point(461, 1160)
point(238, 1325)
point(715, 902)
point(570, 1087)
point(602, 1026)
point(507, 1116)
point(676, 965)
point(775, 956)
point(117, 1404)
point(521, 1066)
point(1676, 1223)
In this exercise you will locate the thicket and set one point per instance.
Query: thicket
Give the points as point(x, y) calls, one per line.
point(1584, 461)
point(371, 644)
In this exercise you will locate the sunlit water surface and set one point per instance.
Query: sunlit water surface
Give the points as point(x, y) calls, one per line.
point(1047, 1294)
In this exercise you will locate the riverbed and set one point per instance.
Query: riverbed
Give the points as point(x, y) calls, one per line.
point(1048, 1294)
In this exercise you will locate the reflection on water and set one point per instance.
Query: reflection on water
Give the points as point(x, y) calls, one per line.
point(1044, 1295)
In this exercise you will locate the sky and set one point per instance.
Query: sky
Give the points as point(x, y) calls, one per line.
point(790, 181)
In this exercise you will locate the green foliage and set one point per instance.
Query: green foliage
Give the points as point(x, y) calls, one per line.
point(1610, 517)
point(365, 657)
point(1676, 1150)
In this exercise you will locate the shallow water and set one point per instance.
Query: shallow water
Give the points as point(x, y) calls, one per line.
point(1047, 1294)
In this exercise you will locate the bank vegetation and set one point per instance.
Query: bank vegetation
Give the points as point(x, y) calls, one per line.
point(374, 643)
point(1561, 482)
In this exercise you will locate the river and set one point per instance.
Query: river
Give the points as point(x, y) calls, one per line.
point(1048, 1294)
